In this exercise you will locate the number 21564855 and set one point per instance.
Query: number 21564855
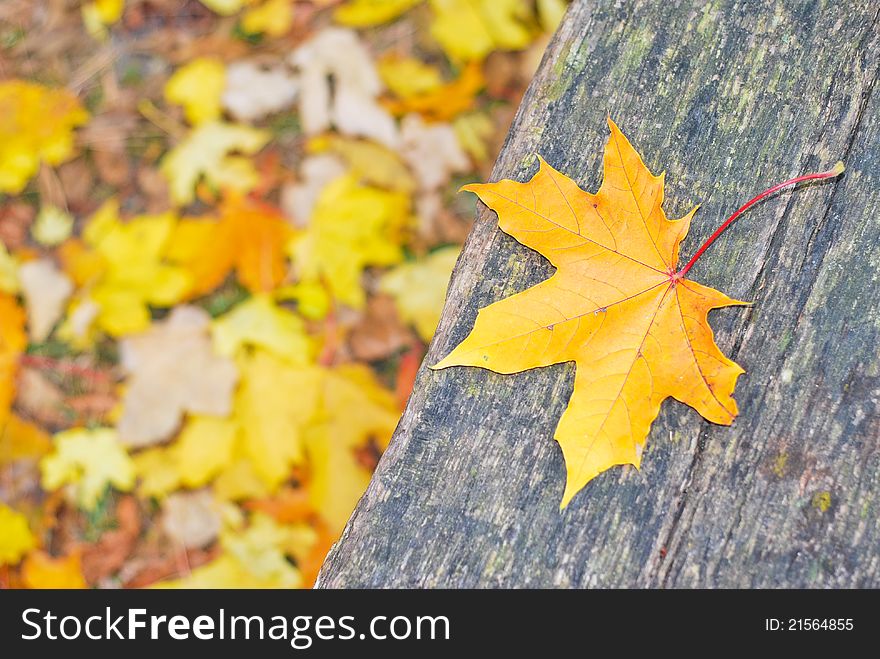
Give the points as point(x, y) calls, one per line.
point(808, 624)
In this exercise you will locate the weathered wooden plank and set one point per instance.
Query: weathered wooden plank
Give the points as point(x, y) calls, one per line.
point(726, 97)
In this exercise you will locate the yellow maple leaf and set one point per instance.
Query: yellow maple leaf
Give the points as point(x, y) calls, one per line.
point(16, 538)
point(446, 101)
point(12, 344)
point(204, 447)
point(474, 130)
point(225, 7)
point(206, 153)
point(354, 410)
point(37, 125)
point(274, 404)
point(550, 13)
point(259, 323)
point(198, 86)
point(254, 557)
point(88, 461)
point(98, 14)
point(617, 306)
point(156, 472)
point(40, 570)
point(419, 288)
point(21, 439)
point(272, 17)
point(366, 13)
point(471, 29)
point(352, 226)
point(372, 163)
point(249, 236)
point(52, 227)
point(128, 269)
point(9, 282)
point(239, 479)
point(407, 77)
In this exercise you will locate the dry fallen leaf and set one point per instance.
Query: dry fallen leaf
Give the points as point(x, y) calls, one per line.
point(379, 334)
point(9, 265)
point(366, 13)
point(88, 461)
point(172, 369)
point(53, 226)
point(40, 570)
point(444, 102)
point(355, 411)
point(206, 152)
point(432, 151)
point(37, 126)
point(298, 199)
point(339, 85)
point(352, 226)
point(616, 306)
point(126, 267)
point(407, 76)
point(471, 29)
point(255, 90)
point(249, 236)
point(46, 291)
point(16, 538)
point(273, 18)
point(260, 323)
point(22, 440)
point(370, 162)
point(198, 86)
point(254, 557)
point(191, 518)
point(105, 557)
point(12, 345)
point(420, 288)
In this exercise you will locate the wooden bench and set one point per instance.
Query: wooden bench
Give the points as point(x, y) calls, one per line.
point(727, 99)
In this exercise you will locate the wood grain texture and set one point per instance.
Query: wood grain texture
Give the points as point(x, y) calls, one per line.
point(726, 97)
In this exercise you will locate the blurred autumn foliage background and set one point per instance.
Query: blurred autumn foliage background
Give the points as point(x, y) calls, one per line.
point(227, 228)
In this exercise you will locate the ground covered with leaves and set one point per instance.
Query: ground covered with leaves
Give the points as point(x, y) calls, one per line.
point(227, 228)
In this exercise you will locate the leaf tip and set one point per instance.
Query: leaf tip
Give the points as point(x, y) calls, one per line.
point(838, 168)
point(443, 363)
point(611, 124)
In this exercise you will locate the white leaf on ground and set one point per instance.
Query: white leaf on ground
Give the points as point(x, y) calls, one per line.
point(46, 290)
point(254, 91)
point(191, 518)
point(298, 199)
point(338, 87)
point(172, 369)
point(432, 151)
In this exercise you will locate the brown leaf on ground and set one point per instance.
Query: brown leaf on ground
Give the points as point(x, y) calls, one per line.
point(105, 557)
point(380, 333)
point(41, 399)
point(15, 221)
point(106, 137)
point(78, 183)
point(145, 570)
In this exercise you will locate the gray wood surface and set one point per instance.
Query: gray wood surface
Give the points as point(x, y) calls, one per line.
point(726, 97)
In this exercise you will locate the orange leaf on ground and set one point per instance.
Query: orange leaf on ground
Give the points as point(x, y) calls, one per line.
point(249, 236)
point(446, 102)
point(12, 343)
point(40, 570)
point(636, 330)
